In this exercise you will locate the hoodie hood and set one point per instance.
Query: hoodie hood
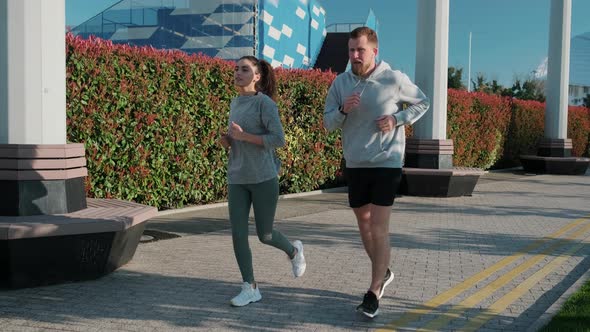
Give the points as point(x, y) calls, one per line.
point(380, 68)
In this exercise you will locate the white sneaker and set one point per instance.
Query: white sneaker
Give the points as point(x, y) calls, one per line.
point(298, 261)
point(386, 281)
point(246, 296)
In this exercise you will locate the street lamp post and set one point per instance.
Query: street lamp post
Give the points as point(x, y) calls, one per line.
point(469, 66)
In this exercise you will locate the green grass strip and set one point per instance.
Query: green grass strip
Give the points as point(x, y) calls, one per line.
point(575, 313)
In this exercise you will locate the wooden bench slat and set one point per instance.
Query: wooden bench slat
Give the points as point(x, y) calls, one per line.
point(102, 215)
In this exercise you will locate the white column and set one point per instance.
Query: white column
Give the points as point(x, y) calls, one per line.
point(32, 72)
point(432, 45)
point(558, 69)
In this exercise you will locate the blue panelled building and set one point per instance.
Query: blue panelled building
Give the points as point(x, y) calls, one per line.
point(287, 33)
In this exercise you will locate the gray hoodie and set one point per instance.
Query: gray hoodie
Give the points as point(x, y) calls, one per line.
point(384, 92)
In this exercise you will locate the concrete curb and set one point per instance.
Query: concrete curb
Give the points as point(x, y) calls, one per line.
point(504, 170)
point(222, 204)
point(556, 306)
point(287, 196)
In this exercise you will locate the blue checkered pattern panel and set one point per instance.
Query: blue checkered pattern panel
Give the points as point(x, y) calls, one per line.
point(218, 28)
point(291, 32)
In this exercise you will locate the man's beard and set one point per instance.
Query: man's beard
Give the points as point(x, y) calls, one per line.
point(360, 68)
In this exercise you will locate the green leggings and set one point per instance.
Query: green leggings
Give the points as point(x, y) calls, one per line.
point(263, 197)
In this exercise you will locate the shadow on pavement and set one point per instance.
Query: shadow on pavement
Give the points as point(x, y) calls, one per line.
point(178, 301)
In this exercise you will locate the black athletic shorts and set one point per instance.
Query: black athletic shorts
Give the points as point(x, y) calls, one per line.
point(377, 186)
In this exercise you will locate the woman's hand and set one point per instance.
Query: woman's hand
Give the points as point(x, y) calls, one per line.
point(224, 141)
point(236, 132)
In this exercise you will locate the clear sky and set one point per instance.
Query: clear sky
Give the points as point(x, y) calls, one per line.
point(509, 37)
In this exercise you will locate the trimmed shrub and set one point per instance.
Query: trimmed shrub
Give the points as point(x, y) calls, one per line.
point(526, 130)
point(478, 125)
point(311, 157)
point(150, 120)
point(578, 129)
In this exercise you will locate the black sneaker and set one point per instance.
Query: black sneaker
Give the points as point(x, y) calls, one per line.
point(386, 281)
point(370, 305)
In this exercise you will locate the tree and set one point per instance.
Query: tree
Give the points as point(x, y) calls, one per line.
point(516, 87)
point(454, 78)
point(496, 88)
point(531, 89)
point(483, 85)
point(480, 84)
point(587, 100)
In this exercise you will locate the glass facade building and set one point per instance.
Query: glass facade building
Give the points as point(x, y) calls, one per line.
point(579, 83)
point(287, 33)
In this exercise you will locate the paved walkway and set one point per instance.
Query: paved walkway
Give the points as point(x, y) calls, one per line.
point(503, 259)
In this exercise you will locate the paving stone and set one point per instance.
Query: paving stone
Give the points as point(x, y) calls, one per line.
point(185, 283)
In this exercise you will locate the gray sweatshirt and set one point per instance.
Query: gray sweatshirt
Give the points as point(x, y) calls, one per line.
point(250, 163)
point(384, 92)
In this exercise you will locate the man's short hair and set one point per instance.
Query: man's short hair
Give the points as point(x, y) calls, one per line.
point(365, 31)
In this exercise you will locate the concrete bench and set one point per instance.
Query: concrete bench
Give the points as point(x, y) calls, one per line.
point(101, 215)
point(554, 165)
point(458, 171)
point(82, 245)
point(444, 182)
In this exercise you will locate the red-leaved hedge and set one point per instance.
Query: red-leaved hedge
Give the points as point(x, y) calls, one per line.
point(578, 130)
point(490, 131)
point(527, 130)
point(478, 124)
point(150, 119)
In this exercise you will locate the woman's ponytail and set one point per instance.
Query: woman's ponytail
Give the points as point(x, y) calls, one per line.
point(268, 82)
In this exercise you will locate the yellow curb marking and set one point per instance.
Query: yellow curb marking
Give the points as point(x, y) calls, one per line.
point(444, 297)
point(499, 306)
point(457, 310)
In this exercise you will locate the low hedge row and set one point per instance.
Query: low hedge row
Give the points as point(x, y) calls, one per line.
point(150, 118)
point(478, 125)
point(490, 131)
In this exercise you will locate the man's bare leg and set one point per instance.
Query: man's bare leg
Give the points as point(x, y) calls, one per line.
point(381, 247)
point(373, 222)
point(363, 219)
